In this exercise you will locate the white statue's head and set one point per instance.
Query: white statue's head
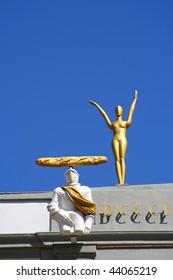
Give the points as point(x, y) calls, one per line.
point(71, 176)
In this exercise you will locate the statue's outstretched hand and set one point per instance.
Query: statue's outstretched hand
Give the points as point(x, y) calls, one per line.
point(92, 102)
point(136, 94)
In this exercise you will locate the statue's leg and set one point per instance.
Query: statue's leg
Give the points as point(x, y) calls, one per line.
point(123, 148)
point(79, 224)
point(115, 148)
point(65, 229)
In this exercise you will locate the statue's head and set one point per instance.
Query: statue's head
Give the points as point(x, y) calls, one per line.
point(71, 176)
point(118, 111)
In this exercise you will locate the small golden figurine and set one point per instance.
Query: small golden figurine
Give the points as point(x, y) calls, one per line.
point(119, 141)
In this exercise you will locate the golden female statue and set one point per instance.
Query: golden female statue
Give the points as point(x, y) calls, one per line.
point(119, 142)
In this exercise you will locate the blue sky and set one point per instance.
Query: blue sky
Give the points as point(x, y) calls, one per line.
point(57, 54)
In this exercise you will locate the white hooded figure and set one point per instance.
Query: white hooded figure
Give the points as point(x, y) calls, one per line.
point(71, 220)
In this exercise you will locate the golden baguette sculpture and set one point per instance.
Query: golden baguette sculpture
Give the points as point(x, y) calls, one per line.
point(71, 161)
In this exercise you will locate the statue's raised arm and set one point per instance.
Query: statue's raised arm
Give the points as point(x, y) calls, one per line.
point(103, 113)
point(132, 108)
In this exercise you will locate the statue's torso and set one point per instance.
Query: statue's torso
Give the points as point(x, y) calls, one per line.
point(119, 129)
point(65, 202)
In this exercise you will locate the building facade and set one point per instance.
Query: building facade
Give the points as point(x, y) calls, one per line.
point(132, 222)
